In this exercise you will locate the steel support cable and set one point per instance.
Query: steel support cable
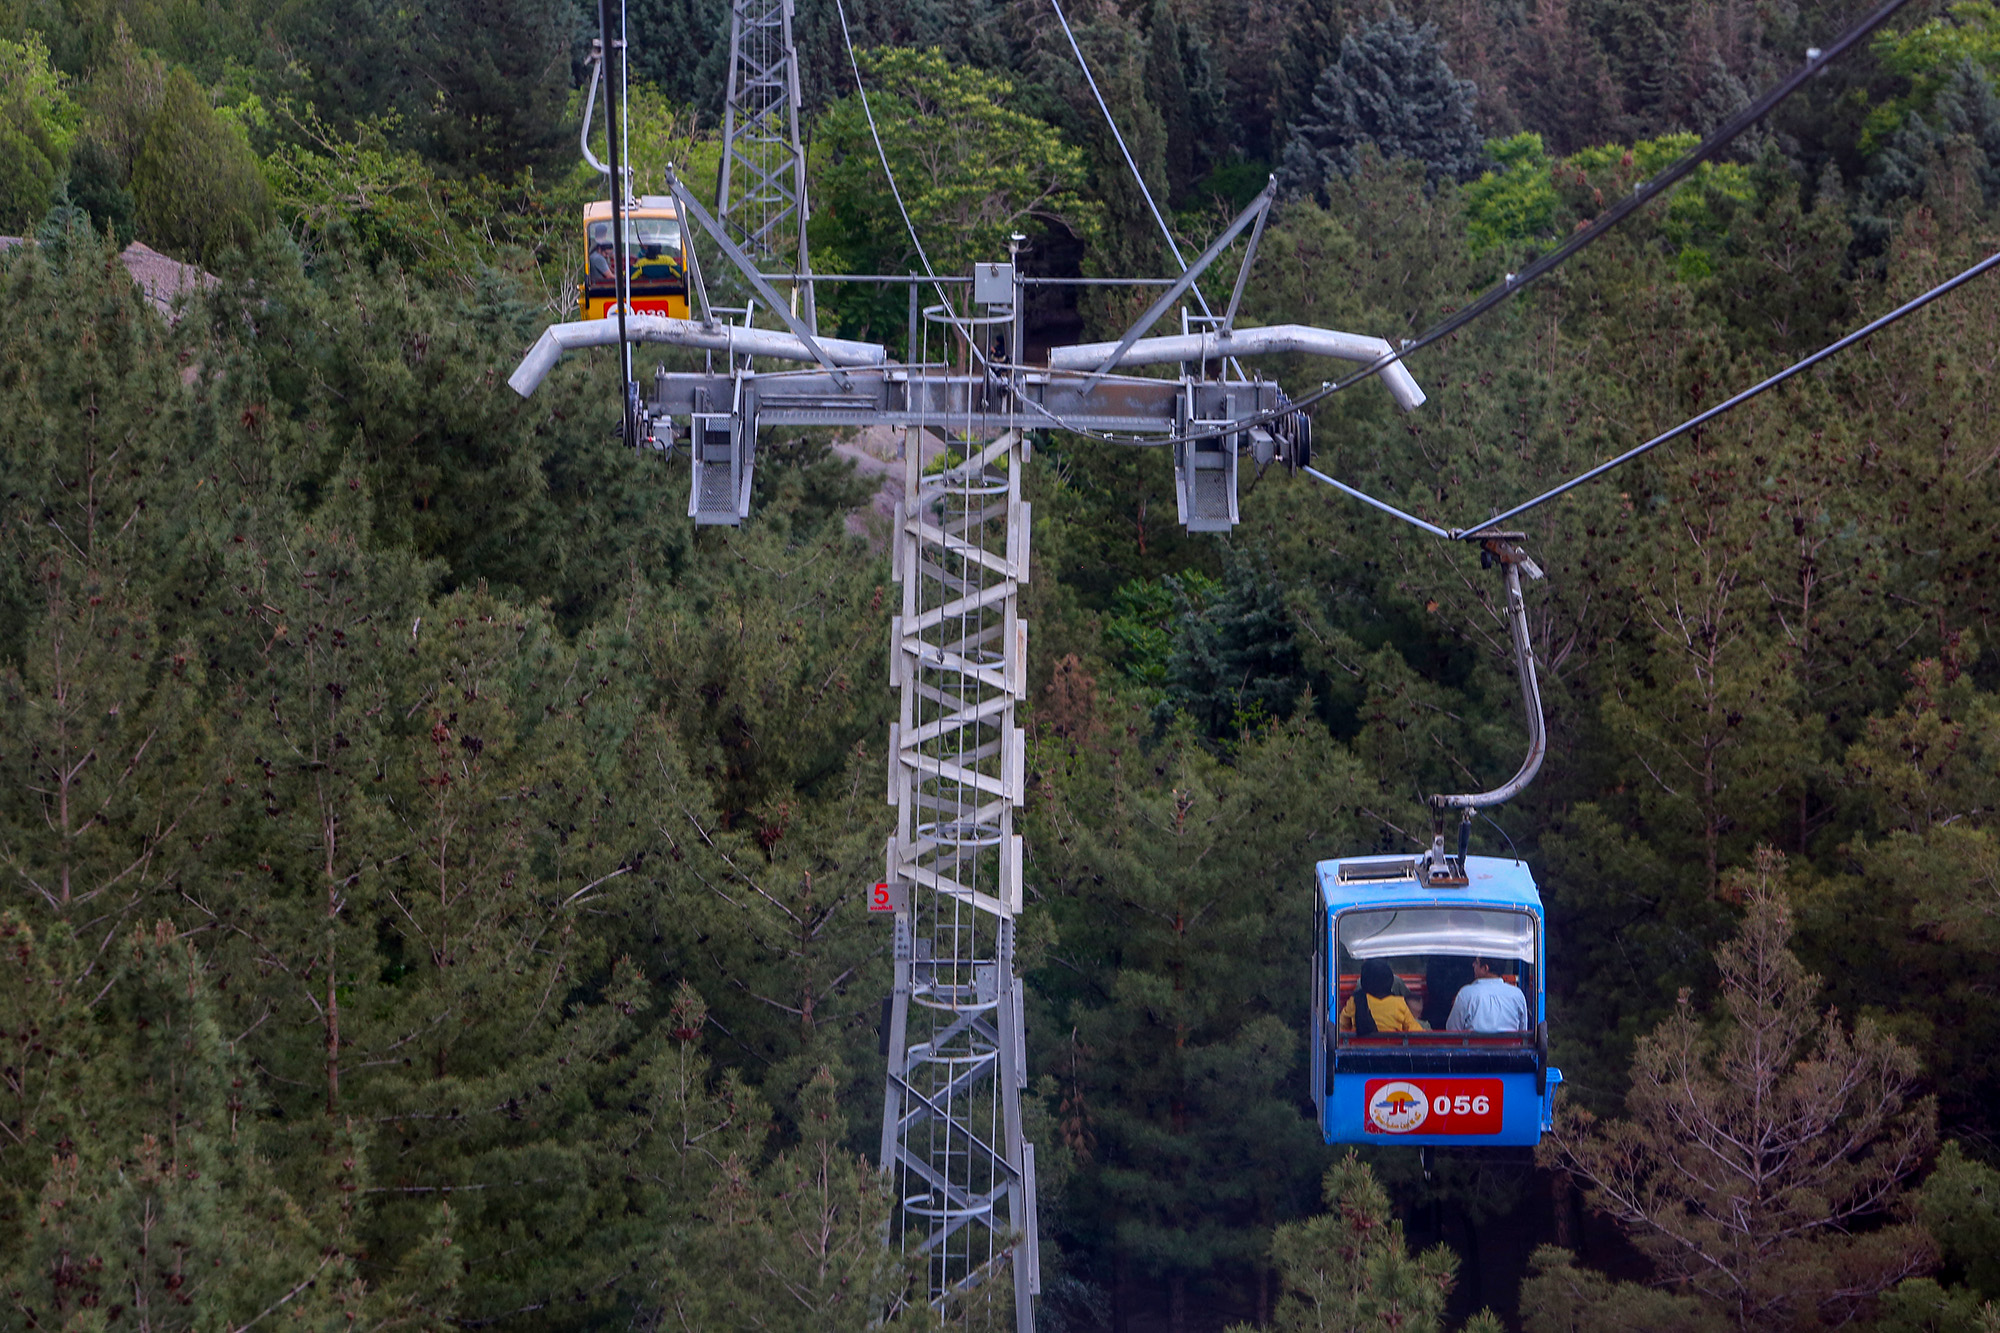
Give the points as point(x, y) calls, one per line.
point(1173, 247)
point(1729, 404)
point(882, 156)
point(1600, 226)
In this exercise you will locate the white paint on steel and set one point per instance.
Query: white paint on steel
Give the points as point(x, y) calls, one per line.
point(951, 1122)
point(559, 338)
point(1273, 340)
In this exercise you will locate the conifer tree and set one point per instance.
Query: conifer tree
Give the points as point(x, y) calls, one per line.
point(1391, 88)
point(157, 1206)
point(1751, 1147)
point(44, 1047)
point(1178, 890)
point(490, 81)
point(797, 1247)
point(1349, 1268)
point(1559, 1297)
point(198, 186)
point(1959, 1205)
point(1234, 666)
point(1561, 85)
point(107, 756)
point(1923, 902)
point(103, 798)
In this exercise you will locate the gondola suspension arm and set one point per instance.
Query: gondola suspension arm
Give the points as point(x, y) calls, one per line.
point(1504, 549)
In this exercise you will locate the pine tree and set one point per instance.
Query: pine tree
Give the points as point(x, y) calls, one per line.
point(103, 793)
point(44, 1048)
point(1391, 88)
point(1559, 1297)
point(157, 1203)
point(107, 802)
point(796, 1247)
point(492, 81)
point(1234, 667)
point(1169, 877)
point(1959, 1205)
point(1964, 108)
point(1750, 1146)
point(1349, 1267)
point(1561, 84)
point(196, 183)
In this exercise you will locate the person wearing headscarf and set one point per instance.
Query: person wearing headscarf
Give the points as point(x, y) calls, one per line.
point(1385, 1011)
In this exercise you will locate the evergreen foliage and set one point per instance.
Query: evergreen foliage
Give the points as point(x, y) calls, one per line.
point(1234, 666)
point(1960, 1205)
point(1350, 1268)
point(1177, 1056)
point(489, 82)
point(1749, 1151)
point(1391, 88)
point(195, 183)
point(511, 832)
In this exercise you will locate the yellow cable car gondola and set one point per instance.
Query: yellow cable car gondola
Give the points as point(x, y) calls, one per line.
point(656, 253)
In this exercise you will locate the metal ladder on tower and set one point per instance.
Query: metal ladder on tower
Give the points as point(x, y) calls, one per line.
point(963, 1174)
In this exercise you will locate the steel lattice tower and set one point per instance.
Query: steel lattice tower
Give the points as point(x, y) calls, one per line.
point(761, 197)
point(951, 1120)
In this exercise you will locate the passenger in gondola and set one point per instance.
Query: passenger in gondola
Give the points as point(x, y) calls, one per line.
point(1491, 1003)
point(601, 253)
point(1385, 1011)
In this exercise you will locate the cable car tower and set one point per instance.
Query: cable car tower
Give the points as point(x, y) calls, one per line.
point(761, 187)
point(952, 1135)
point(952, 1140)
point(963, 1173)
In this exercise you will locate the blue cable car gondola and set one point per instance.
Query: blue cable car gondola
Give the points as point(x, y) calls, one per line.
point(1458, 940)
point(1434, 1087)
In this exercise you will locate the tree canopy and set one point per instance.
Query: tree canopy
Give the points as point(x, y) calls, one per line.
point(436, 869)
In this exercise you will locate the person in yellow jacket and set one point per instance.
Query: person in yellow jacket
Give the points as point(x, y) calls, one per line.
point(1385, 1012)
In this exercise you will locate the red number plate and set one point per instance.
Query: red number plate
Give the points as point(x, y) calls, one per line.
point(880, 900)
point(1432, 1106)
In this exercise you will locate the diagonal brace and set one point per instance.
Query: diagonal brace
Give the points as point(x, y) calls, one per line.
point(1249, 258)
point(778, 304)
point(1254, 213)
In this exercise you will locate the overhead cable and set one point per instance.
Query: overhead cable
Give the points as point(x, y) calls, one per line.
point(1382, 505)
point(1173, 247)
point(1817, 60)
point(1694, 422)
point(882, 156)
point(1131, 165)
point(1729, 404)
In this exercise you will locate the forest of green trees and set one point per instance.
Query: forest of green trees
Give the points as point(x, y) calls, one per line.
point(434, 871)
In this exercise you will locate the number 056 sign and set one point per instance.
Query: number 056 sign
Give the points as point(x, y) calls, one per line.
point(1433, 1106)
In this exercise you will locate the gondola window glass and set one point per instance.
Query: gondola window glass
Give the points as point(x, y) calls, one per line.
point(1462, 932)
point(647, 238)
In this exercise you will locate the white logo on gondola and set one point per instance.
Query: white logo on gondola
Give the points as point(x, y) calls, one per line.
point(1398, 1108)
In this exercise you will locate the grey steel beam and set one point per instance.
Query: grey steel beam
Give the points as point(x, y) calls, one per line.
point(1272, 340)
point(559, 338)
point(1255, 211)
point(720, 236)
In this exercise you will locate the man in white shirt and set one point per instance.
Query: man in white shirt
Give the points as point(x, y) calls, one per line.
point(1490, 1004)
